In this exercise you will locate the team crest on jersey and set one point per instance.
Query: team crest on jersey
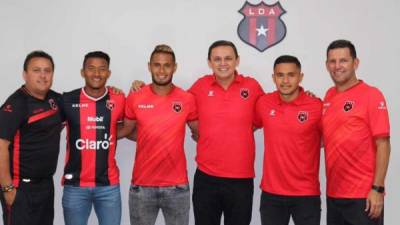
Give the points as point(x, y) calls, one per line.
point(262, 26)
point(177, 107)
point(244, 93)
point(302, 116)
point(348, 105)
point(53, 104)
point(110, 104)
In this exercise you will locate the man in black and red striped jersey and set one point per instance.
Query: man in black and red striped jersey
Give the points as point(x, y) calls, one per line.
point(91, 175)
point(30, 126)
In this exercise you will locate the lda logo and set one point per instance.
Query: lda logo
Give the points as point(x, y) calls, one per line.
point(262, 26)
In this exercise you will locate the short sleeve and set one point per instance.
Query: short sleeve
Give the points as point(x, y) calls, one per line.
point(257, 119)
point(195, 88)
point(12, 117)
point(378, 115)
point(192, 115)
point(129, 107)
point(121, 101)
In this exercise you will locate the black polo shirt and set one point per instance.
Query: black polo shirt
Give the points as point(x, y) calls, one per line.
point(33, 127)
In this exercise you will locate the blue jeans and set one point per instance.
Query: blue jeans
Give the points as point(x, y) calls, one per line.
point(145, 202)
point(77, 204)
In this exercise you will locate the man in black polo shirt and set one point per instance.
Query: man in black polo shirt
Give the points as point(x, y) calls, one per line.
point(30, 126)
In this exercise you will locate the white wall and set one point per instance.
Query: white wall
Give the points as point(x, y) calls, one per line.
point(128, 31)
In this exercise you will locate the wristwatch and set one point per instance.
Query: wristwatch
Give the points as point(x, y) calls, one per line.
point(7, 188)
point(379, 189)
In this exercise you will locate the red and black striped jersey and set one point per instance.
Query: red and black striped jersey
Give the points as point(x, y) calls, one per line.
point(33, 127)
point(91, 138)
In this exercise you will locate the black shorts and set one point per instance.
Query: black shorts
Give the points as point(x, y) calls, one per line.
point(342, 211)
point(277, 209)
point(33, 204)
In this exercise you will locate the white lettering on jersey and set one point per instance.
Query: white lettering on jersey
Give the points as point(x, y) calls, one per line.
point(145, 106)
point(95, 119)
point(87, 144)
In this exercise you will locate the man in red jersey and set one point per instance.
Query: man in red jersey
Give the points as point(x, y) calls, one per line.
point(292, 141)
point(223, 183)
point(30, 126)
point(159, 112)
point(91, 175)
point(356, 137)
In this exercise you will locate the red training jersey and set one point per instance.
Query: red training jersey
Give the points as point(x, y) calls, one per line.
point(292, 143)
point(351, 121)
point(91, 138)
point(226, 142)
point(160, 123)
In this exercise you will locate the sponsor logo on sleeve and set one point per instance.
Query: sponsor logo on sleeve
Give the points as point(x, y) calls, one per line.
point(382, 105)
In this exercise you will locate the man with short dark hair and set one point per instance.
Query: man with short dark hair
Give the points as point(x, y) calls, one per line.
point(223, 183)
point(91, 175)
point(292, 140)
point(356, 135)
point(30, 126)
point(160, 111)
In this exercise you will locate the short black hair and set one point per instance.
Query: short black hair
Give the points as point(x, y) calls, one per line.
point(222, 43)
point(163, 48)
point(96, 54)
point(37, 54)
point(287, 59)
point(341, 43)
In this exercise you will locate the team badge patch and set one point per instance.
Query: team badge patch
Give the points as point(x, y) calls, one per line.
point(53, 104)
point(348, 105)
point(244, 93)
point(177, 107)
point(110, 104)
point(262, 26)
point(302, 116)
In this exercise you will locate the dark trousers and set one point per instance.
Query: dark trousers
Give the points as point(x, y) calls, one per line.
point(342, 211)
point(33, 204)
point(214, 196)
point(277, 209)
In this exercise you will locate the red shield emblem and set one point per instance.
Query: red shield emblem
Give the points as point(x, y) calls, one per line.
point(110, 104)
point(348, 105)
point(302, 116)
point(262, 26)
point(177, 107)
point(53, 104)
point(244, 93)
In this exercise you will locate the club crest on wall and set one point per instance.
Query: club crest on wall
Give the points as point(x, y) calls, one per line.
point(262, 26)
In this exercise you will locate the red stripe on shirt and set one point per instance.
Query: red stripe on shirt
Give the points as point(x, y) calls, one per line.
point(42, 115)
point(16, 154)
